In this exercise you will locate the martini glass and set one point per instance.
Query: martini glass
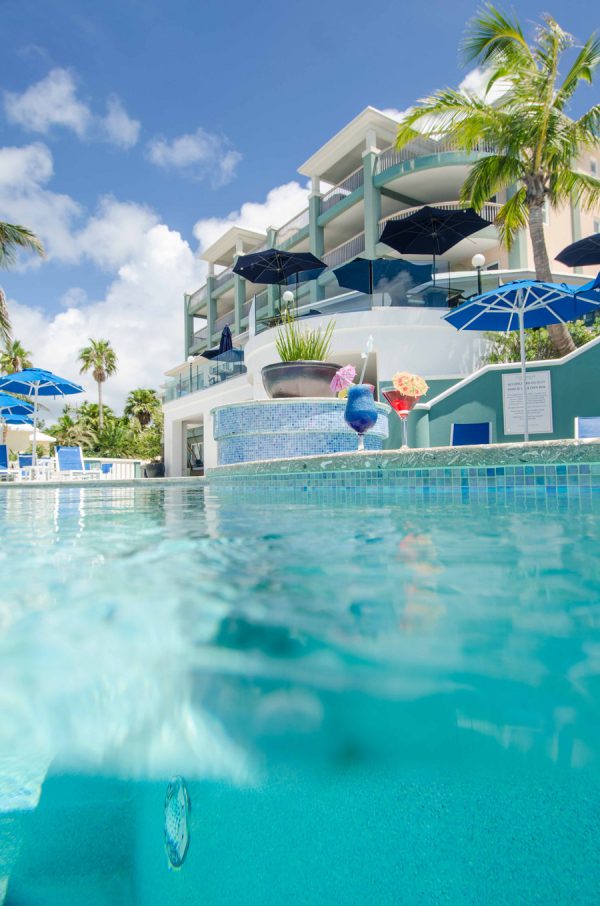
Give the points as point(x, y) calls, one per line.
point(402, 405)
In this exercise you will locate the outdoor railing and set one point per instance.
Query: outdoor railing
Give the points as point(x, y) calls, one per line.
point(489, 211)
point(348, 185)
point(201, 377)
point(226, 319)
point(201, 335)
point(293, 226)
point(223, 278)
point(423, 147)
point(199, 296)
point(115, 468)
point(346, 251)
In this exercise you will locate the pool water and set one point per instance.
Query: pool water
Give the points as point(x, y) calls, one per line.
point(369, 703)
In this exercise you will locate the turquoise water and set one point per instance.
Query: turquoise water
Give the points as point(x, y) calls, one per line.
point(375, 703)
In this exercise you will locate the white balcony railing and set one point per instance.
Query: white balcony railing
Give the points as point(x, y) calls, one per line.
point(346, 251)
point(201, 336)
point(423, 147)
point(223, 278)
point(199, 296)
point(221, 322)
point(349, 185)
point(489, 212)
point(293, 226)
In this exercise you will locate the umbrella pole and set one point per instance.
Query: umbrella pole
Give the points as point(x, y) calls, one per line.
point(523, 372)
point(433, 271)
point(35, 412)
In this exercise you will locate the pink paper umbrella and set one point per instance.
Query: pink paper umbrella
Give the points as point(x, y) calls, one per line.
point(343, 378)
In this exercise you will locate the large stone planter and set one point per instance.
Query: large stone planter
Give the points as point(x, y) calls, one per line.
point(284, 380)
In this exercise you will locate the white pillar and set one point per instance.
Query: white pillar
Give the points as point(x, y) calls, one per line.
point(174, 448)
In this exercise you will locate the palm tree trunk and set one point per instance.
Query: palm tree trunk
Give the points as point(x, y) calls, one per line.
point(100, 410)
point(560, 336)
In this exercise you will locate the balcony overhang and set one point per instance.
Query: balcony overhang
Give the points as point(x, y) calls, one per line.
point(343, 153)
point(236, 240)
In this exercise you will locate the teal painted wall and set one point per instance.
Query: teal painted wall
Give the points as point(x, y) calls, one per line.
point(575, 392)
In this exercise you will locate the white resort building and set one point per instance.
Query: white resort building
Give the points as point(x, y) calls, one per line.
point(358, 182)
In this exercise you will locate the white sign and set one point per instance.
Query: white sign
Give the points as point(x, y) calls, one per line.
point(539, 403)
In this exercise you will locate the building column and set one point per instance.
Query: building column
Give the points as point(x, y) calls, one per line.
point(316, 234)
point(188, 321)
point(211, 305)
point(273, 291)
point(174, 447)
point(517, 255)
point(239, 300)
point(576, 227)
point(372, 202)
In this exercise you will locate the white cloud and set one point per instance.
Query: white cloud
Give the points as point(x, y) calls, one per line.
point(150, 268)
point(398, 115)
point(53, 102)
point(198, 154)
point(140, 314)
point(121, 129)
point(476, 81)
point(280, 205)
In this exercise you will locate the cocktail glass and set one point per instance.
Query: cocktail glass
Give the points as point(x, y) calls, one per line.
point(360, 412)
point(402, 405)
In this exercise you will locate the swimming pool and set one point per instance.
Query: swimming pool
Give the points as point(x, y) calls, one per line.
point(370, 702)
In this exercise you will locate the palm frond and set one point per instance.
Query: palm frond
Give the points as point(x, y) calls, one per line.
point(513, 217)
point(492, 37)
point(581, 188)
point(5, 326)
point(488, 176)
point(13, 238)
point(582, 70)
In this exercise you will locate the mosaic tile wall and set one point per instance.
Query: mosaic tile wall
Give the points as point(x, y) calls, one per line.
point(266, 429)
point(540, 487)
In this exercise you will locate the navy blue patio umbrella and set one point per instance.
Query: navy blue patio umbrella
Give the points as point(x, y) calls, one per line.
point(522, 304)
point(35, 382)
point(584, 251)
point(431, 231)
point(275, 265)
point(369, 275)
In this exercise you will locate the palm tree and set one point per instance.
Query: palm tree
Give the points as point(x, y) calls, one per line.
point(536, 145)
point(99, 358)
point(142, 404)
point(14, 357)
point(73, 431)
point(13, 238)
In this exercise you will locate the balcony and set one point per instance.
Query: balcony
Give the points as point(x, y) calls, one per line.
point(424, 147)
point(489, 212)
point(197, 298)
point(224, 320)
point(346, 251)
point(345, 188)
point(223, 278)
point(203, 377)
point(292, 228)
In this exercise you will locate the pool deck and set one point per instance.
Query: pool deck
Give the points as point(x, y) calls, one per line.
point(100, 483)
point(551, 452)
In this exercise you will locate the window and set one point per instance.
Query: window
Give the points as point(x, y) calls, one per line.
point(545, 212)
point(593, 166)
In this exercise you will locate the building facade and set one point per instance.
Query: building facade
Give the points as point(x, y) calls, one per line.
point(358, 182)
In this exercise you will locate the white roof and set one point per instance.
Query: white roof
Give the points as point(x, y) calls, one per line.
point(223, 250)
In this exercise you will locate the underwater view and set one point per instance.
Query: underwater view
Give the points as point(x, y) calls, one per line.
point(216, 701)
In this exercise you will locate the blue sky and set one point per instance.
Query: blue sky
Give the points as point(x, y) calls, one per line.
point(119, 115)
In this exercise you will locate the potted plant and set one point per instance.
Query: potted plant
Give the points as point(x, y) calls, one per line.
point(302, 371)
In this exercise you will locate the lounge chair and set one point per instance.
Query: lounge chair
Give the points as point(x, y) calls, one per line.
point(69, 464)
point(462, 435)
point(587, 427)
point(5, 472)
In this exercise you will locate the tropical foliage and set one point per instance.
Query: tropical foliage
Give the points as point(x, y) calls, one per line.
point(294, 344)
point(538, 343)
point(143, 405)
point(103, 433)
point(14, 357)
point(99, 358)
point(534, 146)
point(12, 239)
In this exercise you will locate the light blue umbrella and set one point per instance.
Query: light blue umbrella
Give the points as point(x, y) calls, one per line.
point(17, 420)
point(35, 382)
point(522, 304)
